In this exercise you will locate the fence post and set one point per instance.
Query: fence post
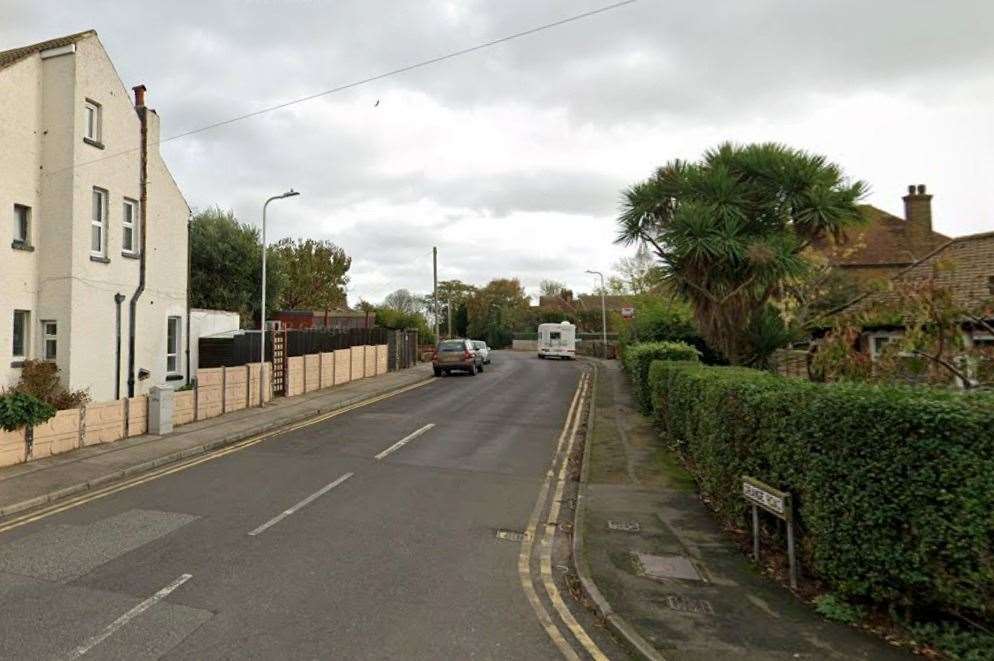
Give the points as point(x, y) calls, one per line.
point(248, 385)
point(196, 399)
point(81, 442)
point(127, 416)
point(224, 389)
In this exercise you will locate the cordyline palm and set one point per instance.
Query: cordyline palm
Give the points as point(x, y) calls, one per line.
point(730, 229)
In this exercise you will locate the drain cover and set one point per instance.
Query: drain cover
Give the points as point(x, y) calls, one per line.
point(668, 566)
point(623, 526)
point(510, 535)
point(683, 604)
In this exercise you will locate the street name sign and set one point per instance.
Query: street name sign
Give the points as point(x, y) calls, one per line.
point(627, 312)
point(778, 503)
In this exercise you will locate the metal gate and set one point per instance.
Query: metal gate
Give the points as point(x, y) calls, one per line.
point(279, 362)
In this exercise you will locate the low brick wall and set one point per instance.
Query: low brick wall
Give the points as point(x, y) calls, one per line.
point(312, 372)
point(343, 366)
point(59, 434)
point(790, 362)
point(209, 393)
point(236, 385)
point(184, 406)
point(137, 415)
point(369, 356)
point(12, 447)
point(381, 359)
point(327, 369)
point(358, 363)
point(294, 376)
point(104, 423)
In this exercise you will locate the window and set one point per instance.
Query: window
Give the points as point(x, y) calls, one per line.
point(20, 347)
point(22, 224)
point(129, 238)
point(877, 344)
point(92, 127)
point(172, 345)
point(98, 223)
point(49, 330)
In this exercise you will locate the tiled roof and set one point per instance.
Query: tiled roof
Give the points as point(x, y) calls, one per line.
point(964, 266)
point(884, 240)
point(13, 55)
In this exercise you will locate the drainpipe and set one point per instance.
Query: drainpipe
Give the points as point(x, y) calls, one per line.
point(189, 228)
point(118, 299)
point(143, 214)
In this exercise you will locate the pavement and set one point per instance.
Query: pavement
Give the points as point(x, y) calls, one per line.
point(670, 581)
point(433, 523)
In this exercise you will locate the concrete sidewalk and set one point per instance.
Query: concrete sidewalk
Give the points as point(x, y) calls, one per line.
point(36, 483)
point(664, 568)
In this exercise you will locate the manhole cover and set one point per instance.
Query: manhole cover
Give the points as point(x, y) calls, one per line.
point(623, 526)
point(683, 604)
point(668, 566)
point(510, 535)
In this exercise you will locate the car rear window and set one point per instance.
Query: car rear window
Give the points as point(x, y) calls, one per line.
point(478, 345)
point(452, 345)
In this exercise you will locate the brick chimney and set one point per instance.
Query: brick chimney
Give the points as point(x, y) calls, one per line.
point(139, 91)
point(918, 214)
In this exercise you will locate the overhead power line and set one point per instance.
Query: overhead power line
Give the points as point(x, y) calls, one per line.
point(371, 79)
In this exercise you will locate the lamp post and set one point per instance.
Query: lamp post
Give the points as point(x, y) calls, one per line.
point(603, 312)
point(262, 305)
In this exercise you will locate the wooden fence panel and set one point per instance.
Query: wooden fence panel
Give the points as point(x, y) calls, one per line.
point(104, 422)
point(381, 359)
point(295, 376)
point(209, 393)
point(183, 407)
point(327, 369)
point(235, 388)
point(138, 415)
point(358, 362)
point(343, 364)
point(60, 434)
point(12, 448)
point(312, 372)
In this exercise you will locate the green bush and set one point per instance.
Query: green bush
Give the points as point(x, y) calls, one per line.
point(894, 485)
point(18, 409)
point(638, 358)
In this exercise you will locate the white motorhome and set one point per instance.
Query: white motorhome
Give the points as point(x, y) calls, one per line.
point(557, 340)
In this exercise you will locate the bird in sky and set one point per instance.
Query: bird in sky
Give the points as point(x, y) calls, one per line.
point(377, 103)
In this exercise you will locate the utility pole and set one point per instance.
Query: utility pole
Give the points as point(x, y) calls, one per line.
point(262, 300)
point(450, 316)
point(434, 288)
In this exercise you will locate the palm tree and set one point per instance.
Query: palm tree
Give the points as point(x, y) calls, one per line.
point(729, 230)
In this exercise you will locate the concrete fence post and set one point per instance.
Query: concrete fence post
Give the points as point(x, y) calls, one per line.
point(248, 386)
point(81, 442)
point(160, 410)
point(224, 390)
point(126, 416)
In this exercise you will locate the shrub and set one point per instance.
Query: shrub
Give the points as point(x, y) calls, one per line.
point(894, 485)
point(20, 410)
point(40, 379)
point(638, 357)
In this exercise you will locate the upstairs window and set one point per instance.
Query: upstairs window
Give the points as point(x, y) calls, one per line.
point(50, 334)
point(129, 219)
point(92, 128)
point(98, 223)
point(20, 344)
point(22, 224)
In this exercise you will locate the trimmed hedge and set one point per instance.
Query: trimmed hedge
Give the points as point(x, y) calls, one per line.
point(894, 485)
point(638, 358)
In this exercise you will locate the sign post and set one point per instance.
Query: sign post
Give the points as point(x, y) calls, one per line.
point(778, 503)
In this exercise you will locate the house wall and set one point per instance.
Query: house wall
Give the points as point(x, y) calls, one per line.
point(46, 165)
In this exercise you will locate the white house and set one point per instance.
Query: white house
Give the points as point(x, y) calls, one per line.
point(89, 207)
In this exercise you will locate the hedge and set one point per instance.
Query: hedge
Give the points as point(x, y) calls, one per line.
point(638, 358)
point(894, 485)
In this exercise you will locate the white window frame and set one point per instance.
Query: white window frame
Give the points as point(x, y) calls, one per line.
point(889, 336)
point(49, 333)
point(24, 237)
point(101, 222)
point(25, 335)
point(92, 131)
point(173, 352)
point(132, 225)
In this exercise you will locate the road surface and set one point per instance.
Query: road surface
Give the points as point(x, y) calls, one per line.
point(372, 534)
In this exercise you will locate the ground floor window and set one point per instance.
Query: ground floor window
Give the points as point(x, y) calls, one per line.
point(173, 329)
point(50, 334)
point(20, 344)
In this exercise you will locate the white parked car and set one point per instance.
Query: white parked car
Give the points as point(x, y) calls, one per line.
point(481, 348)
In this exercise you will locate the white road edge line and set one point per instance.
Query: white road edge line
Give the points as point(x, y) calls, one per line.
point(404, 441)
point(304, 503)
point(127, 617)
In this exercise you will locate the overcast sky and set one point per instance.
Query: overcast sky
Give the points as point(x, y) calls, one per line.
point(511, 160)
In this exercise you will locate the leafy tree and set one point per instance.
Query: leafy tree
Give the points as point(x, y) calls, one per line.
point(456, 293)
point(729, 230)
point(226, 265)
point(494, 310)
point(638, 274)
point(316, 274)
point(401, 320)
point(403, 300)
point(551, 287)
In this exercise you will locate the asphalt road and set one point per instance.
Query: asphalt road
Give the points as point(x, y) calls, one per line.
point(308, 546)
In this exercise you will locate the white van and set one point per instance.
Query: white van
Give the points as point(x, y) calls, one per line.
point(557, 340)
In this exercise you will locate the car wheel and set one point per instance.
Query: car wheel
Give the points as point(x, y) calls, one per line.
point(480, 368)
point(472, 369)
point(438, 371)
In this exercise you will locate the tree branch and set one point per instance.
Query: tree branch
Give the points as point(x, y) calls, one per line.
point(967, 382)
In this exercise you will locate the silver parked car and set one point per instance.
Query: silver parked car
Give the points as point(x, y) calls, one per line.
point(481, 348)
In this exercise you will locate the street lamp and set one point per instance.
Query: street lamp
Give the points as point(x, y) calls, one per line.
point(262, 306)
point(603, 312)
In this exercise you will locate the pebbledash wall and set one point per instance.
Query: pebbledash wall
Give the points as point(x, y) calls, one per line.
point(47, 165)
point(218, 391)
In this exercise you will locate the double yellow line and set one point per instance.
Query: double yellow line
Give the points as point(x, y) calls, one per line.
point(182, 465)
